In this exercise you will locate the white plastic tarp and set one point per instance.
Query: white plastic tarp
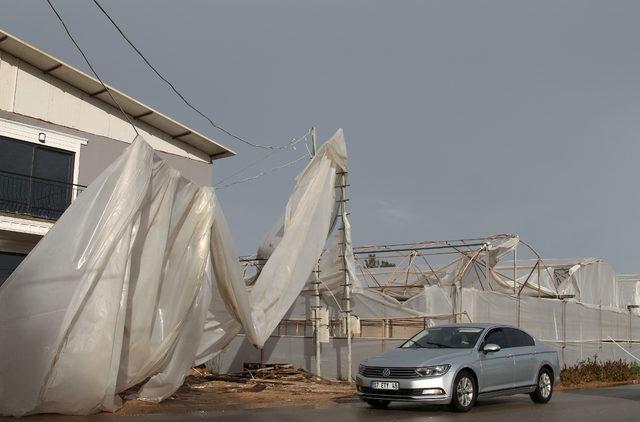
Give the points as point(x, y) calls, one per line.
point(139, 279)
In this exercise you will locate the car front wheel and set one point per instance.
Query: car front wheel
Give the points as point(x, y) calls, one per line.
point(464, 392)
point(544, 387)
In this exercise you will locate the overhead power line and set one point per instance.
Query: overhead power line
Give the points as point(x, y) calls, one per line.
point(95, 73)
point(275, 149)
point(178, 93)
point(270, 154)
point(264, 173)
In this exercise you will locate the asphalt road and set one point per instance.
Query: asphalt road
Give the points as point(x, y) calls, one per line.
point(603, 404)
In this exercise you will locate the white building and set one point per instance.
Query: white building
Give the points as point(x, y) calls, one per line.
point(58, 130)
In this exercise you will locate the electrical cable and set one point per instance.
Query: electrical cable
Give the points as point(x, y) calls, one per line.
point(127, 117)
point(264, 173)
point(178, 93)
point(270, 154)
point(84, 56)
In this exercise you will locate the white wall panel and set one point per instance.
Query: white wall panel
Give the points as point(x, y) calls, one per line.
point(64, 107)
point(28, 91)
point(8, 72)
point(32, 96)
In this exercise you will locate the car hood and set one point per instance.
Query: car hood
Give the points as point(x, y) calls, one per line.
point(413, 358)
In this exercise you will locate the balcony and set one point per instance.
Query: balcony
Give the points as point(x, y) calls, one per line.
point(35, 196)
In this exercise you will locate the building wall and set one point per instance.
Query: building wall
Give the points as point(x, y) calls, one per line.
point(101, 151)
point(28, 91)
point(69, 117)
point(19, 234)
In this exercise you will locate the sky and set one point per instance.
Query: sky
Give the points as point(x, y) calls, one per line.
point(462, 118)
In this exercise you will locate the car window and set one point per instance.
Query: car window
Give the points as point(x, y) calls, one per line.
point(458, 337)
point(518, 338)
point(496, 336)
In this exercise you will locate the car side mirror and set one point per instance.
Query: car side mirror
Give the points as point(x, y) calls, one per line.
point(490, 348)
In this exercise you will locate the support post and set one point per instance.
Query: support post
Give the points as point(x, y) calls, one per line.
point(454, 307)
point(313, 141)
point(630, 330)
point(515, 290)
point(515, 251)
point(316, 286)
point(538, 278)
point(600, 328)
point(564, 330)
point(347, 281)
point(316, 316)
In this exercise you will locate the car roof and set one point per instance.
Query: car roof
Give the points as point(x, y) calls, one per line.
point(478, 325)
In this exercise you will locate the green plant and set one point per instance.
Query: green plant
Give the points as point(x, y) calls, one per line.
point(592, 370)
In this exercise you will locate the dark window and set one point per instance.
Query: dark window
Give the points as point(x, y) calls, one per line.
point(8, 263)
point(518, 338)
point(496, 336)
point(34, 179)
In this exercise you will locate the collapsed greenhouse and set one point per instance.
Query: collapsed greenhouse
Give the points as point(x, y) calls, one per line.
point(577, 305)
point(149, 284)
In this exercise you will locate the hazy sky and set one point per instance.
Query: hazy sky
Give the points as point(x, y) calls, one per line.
point(462, 118)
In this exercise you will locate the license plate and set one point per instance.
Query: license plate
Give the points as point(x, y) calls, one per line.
point(384, 385)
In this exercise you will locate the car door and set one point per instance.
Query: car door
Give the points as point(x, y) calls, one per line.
point(497, 367)
point(523, 354)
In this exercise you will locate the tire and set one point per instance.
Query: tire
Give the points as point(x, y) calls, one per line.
point(378, 404)
point(544, 387)
point(464, 392)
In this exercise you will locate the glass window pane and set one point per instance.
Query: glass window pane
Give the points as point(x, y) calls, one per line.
point(15, 175)
point(16, 156)
point(527, 340)
point(53, 165)
point(51, 189)
point(496, 336)
point(8, 263)
point(518, 338)
point(445, 338)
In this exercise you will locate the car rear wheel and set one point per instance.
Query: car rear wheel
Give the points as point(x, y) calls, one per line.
point(378, 404)
point(464, 392)
point(544, 387)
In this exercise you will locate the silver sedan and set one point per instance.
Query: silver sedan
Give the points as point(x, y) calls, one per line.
point(457, 364)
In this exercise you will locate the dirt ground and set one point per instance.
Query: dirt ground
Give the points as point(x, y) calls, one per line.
point(594, 384)
point(202, 393)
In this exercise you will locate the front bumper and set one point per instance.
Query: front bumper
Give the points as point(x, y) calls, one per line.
point(410, 389)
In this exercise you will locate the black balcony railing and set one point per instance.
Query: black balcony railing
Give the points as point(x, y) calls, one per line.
point(35, 196)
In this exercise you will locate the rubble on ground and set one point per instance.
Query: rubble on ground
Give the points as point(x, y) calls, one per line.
point(257, 386)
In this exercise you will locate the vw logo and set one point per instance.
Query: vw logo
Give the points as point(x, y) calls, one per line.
point(386, 372)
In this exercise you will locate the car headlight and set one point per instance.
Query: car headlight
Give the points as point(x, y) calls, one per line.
point(361, 369)
point(433, 371)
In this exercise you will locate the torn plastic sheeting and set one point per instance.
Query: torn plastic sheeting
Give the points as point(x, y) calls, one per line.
point(110, 294)
point(147, 283)
point(308, 219)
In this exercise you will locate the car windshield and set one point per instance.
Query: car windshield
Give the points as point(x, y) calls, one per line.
point(444, 338)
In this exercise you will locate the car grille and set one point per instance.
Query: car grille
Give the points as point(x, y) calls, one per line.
point(403, 373)
point(400, 392)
